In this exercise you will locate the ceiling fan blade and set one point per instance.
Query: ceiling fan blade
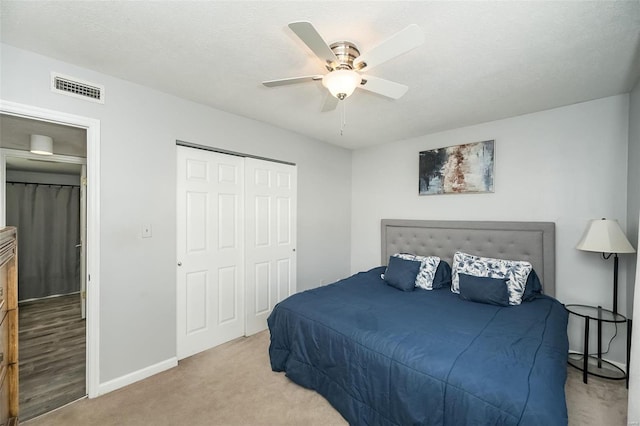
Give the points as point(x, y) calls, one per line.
point(293, 80)
point(383, 87)
point(330, 103)
point(310, 36)
point(399, 43)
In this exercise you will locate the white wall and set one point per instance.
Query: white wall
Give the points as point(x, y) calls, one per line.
point(565, 165)
point(139, 127)
point(634, 270)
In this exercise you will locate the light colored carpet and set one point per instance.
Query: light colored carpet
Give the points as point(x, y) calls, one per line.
point(233, 384)
point(600, 402)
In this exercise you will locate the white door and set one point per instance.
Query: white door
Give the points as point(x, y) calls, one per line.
point(210, 272)
point(270, 252)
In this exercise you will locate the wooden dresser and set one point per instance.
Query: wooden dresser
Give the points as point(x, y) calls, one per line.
point(8, 326)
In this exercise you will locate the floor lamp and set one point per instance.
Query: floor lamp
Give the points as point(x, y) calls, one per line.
point(606, 237)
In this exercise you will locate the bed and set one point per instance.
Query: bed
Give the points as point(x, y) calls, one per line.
point(382, 356)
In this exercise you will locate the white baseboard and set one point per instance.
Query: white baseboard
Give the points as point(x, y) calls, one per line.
point(136, 376)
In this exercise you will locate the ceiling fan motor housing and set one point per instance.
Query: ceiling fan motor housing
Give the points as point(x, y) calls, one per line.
point(346, 52)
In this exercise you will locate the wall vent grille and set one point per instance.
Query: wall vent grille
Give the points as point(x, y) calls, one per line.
point(77, 88)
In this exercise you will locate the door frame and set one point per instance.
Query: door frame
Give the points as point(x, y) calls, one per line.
point(92, 126)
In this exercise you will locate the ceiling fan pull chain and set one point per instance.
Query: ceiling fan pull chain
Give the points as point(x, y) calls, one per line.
point(344, 116)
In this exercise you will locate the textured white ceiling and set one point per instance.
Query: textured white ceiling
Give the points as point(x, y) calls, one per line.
point(481, 61)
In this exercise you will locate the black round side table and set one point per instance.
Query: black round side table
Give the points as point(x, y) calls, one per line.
point(594, 364)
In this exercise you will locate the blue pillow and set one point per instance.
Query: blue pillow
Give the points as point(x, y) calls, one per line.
point(442, 277)
point(428, 268)
point(492, 291)
point(402, 273)
point(532, 288)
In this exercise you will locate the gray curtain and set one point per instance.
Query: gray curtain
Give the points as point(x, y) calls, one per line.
point(48, 222)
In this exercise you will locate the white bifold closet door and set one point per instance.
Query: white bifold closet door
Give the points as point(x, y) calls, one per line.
point(236, 222)
point(270, 251)
point(210, 273)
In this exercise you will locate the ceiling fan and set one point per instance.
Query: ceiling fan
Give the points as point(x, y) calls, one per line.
point(345, 63)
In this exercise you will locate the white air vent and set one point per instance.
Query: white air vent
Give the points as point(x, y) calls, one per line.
point(77, 88)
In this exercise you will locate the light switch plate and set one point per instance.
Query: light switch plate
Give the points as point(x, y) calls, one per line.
point(146, 231)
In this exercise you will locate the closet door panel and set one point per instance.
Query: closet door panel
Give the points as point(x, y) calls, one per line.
point(262, 281)
point(228, 288)
point(196, 221)
point(196, 300)
point(228, 222)
point(270, 200)
point(262, 217)
point(284, 277)
point(210, 236)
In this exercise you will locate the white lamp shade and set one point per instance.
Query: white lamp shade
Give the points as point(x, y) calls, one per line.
point(341, 83)
point(605, 236)
point(41, 145)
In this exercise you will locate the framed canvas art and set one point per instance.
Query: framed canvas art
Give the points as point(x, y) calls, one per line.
point(457, 169)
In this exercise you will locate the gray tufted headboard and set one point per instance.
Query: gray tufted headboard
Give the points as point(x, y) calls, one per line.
point(531, 241)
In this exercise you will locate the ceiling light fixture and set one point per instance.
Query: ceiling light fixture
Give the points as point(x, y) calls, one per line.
point(341, 83)
point(42, 145)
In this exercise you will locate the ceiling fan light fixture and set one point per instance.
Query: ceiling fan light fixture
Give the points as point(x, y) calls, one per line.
point(341, 83)
point(41, 144)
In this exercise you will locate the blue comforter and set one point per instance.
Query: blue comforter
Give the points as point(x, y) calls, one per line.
point(382, 356)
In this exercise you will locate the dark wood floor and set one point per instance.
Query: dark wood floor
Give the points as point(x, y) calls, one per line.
point(51, 354)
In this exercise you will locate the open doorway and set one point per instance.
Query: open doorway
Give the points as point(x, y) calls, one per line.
point(44, 199)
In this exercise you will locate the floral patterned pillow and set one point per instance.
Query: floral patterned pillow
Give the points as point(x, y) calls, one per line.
point(428, 267)
point(517, 272)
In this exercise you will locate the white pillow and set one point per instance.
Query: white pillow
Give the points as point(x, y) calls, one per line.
point(517, 271)
point(428, 267)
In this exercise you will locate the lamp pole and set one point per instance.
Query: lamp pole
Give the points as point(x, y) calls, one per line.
point(615, 283)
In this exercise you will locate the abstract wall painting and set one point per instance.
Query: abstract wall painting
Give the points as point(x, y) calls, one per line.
point(466, 168)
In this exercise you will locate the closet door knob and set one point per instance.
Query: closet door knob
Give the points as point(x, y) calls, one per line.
point(179, 263)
